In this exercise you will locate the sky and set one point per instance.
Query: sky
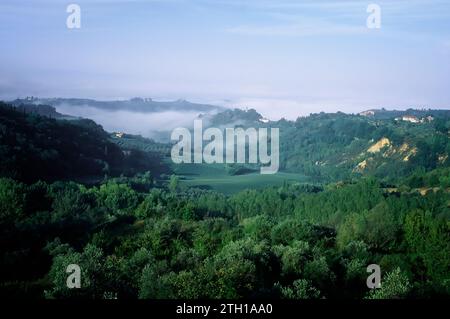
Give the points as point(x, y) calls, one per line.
point(284, 58)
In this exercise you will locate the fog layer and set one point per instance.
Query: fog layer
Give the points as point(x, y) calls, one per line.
point(146, 124)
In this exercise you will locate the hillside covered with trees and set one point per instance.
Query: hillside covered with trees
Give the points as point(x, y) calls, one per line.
point(39, 147)
point(135, 235)
point(330, 147)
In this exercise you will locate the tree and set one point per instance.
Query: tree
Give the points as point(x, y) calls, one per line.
point(174, 183)
point(319, 272)
point(395, 285)
point(381, 227)
point(300, 289)
point(211, 235)
point(294, 259)
point(117, 198)
point(258, 227)
point(352, 229)
point(91, 263)
point(12, 200)
point(429, 239)
point(376, 227)
point(155, 284)
point(152, 206)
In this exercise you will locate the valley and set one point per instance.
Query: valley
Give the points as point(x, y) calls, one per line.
point(352, 190)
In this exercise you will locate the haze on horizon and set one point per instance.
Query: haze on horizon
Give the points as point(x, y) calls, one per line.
point(284, 58)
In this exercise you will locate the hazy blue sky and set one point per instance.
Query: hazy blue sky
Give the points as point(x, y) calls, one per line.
point(283, 57)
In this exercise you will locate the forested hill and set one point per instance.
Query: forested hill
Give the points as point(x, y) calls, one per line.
point(327, 147)
point(43, 110)
point(337, 146)
point(34, 147)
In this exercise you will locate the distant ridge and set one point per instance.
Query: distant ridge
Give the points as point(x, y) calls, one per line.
point(383, 114)
point(144, 105)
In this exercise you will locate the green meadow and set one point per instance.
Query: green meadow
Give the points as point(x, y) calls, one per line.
point(216, 177)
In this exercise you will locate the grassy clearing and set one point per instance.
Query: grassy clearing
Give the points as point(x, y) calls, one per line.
point(215, 176)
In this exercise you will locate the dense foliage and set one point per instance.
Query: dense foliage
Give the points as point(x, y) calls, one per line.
point(132, 240)
point(34, 147)
point(138, 237)
point(329, 147)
